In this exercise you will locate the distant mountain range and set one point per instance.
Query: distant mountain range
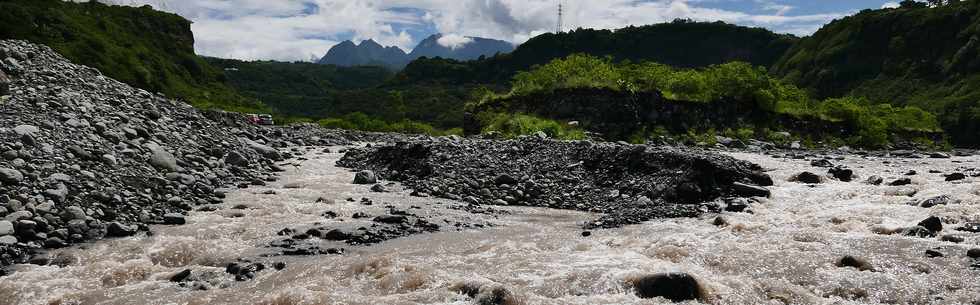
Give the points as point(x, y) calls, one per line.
point(370, 53)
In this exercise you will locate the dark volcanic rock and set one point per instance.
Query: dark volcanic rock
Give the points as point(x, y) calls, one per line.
point(598, 177)
point(901, 182)
point(934, 201)
point(807, 177)
point(973, 253)
point(677, 287)
point(365, 177)
point(955, 177)
point(854, 262)
point(821, 163)
point(933, 224)
point(875, 180)
point(971, 227)
point(742, 189)
point(842, 174)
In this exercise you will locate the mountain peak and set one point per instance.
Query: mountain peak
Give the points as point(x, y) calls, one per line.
point(453, 46)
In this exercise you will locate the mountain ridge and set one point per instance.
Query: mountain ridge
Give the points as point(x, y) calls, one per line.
point(371, 53)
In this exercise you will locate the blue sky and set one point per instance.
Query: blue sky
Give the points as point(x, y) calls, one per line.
point(306, 29)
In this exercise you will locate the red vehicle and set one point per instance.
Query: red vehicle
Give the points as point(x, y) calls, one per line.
point(260, 119)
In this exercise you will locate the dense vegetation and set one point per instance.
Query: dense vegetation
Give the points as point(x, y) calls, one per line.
point(140, 46)
point(914, 55)
point(681, 43)
point(759, 101)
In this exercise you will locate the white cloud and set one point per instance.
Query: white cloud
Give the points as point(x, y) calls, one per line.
point(890, 5)
point(454, 41)
point(301, 29)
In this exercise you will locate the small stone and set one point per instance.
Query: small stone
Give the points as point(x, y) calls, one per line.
point(586, 233)
point(377, 188)
point(807, 177)
point(821, 163)
point(504, 179)
point(174, 219)
point(854, 262)
point(742, 189)
point(719, 222)
point(116, 229)
point(901, 182)
point(955, 177)
point(875, 180)
point(6, 227)
point(181, 276)
point(163, 160)
point(391, 219)
point(10, 176)
point(933, 253)
point(952, 238)
point(934, 201)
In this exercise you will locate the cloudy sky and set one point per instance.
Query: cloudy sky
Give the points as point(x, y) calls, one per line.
point(305, 29)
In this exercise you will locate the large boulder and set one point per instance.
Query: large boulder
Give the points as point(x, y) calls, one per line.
point(677, 287)
point(365, 177)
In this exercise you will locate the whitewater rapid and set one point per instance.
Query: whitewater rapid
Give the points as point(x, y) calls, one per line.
point(783, 252)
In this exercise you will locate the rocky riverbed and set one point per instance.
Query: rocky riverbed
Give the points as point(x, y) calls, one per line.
point(832, 242)
point(113, 195)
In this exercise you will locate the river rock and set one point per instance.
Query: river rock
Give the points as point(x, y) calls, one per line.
point(875, 180)
point(116, 229)
point(236, 159)
point(955, 177)
point(973, 253)
point(676, 287)
point(174, 219)
point(854, 262)
point(842, 174)
point(4, 84)
point(163, 160)
point(365, 177)
point(266, 151)
point(6, 227)
point(807, 177)
point(901, 182)
point(933, 224)
point(821, 163)
point(934, 201)
point(743, 189)
point(10, 176)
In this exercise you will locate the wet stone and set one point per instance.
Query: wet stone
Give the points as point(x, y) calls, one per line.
point(854, 262)
point(676, 287)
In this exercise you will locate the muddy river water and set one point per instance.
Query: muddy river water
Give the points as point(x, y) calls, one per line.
point(781, 253)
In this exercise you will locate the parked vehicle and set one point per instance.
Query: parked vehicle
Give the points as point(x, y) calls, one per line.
point(252, 118)
point(266, 119)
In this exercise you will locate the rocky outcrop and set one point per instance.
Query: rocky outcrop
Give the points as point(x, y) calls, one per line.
point(629, 183)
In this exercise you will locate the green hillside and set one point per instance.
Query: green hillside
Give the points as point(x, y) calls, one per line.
point(915, 55)
point(681, 43)
point(142, 47)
